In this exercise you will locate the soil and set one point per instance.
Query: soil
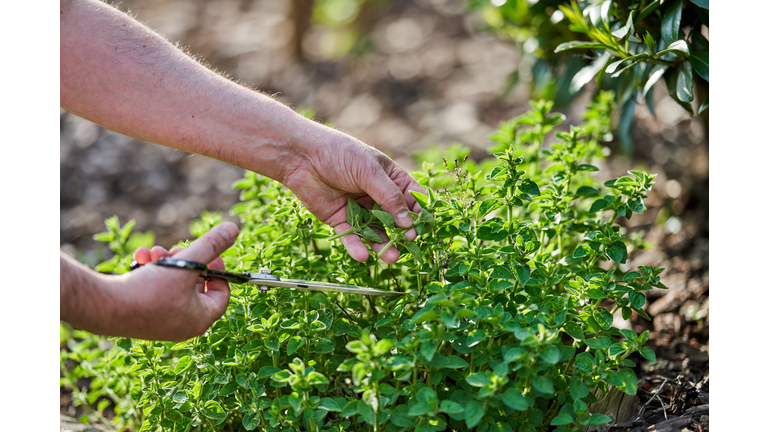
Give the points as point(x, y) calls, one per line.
point(440, 85)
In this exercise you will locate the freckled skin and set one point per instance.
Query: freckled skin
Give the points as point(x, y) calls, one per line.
point(117, 73)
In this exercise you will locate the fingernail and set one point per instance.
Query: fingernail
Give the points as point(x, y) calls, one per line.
point(405, 220)
point(229, 231)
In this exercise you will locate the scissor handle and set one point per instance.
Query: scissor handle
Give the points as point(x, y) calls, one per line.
point(206, 273)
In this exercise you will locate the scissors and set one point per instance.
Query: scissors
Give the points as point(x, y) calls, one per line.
point(265, 279)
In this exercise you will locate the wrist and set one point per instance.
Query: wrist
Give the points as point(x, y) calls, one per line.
point(87, 298)
point(274, 139)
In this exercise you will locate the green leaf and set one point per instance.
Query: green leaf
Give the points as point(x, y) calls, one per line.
point(704, 4)
point(648, 353)
point(632, 59)
point(603, 317)
point(420, 198)
point(488, 206)
point(637, 299)
point(179, 346)
point(598, 343)
point(627, 30)
point(295, 343)
point(384, 321)
point(648, 9)
point(551, 354)
point(478, 379)
point(251, 421)
point(578, 389)
point(587, 190)
point(214, 411)
point(500, 272)
point(424, 315)
point(450, 407)
point(419, 409)
point(580, 44)
point(670, 23)
point(529, 187)
point(268, 371)
point(629, 381)
point(636, 204)
point(475, 337)
point(704, 105)
point(365, 411)
point(598, 419)
point(104, 237)
point(626, 120)
point(273, 343)
point(413, 248)
point(649, 41)
point(562, 419)
point(582, 251)
point(183, 364)
point(617, 251)
point(427, 395)
point(679, 47)
point(328, 404)
point(514, 399)
point(382, 347)
point(354, 212)
point(513, 353)
point(473, 413)
point(543, 384)
point(385, 218)
point(598, 205)
point(585, 75)
point(584, 361)
point(574, 331)
point(369, 234)
point(180, 397)
point(700, 62)
point(228, 389)
point(587, 167)
point(448, 362)
point(522, 273)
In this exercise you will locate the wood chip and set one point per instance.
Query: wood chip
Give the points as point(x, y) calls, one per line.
point(673, 424)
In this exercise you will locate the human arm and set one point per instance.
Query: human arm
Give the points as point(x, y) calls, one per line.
point(152, 302)
point(121, 75)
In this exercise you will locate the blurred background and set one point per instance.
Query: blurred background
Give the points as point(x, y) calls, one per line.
point(401, 75)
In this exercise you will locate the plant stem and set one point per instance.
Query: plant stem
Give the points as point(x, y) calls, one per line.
point(389, 243)
point(551, 413)
point(339, 235)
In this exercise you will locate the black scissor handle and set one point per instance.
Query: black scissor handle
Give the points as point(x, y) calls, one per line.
point(206, 273)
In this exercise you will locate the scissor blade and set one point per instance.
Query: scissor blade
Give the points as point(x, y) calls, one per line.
point(323, 286)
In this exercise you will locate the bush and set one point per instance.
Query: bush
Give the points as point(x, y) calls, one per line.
point(506, 323)
point(626, 46)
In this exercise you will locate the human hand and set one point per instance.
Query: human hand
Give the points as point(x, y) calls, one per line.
point(338, 167)
point(175, 304)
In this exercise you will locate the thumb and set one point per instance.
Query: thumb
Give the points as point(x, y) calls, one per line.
point(211, 244)
point(385, 192)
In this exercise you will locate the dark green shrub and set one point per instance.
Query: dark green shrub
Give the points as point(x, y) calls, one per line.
point(626, 46)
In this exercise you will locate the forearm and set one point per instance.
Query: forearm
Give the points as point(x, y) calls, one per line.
point(86, 298)
point(119, 74)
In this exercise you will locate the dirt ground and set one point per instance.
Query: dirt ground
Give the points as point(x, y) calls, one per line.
point(440, 84)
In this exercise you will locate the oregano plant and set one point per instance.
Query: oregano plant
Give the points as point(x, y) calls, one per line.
point(507, 322)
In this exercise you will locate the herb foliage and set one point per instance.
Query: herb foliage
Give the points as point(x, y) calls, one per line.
point(506, 325)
